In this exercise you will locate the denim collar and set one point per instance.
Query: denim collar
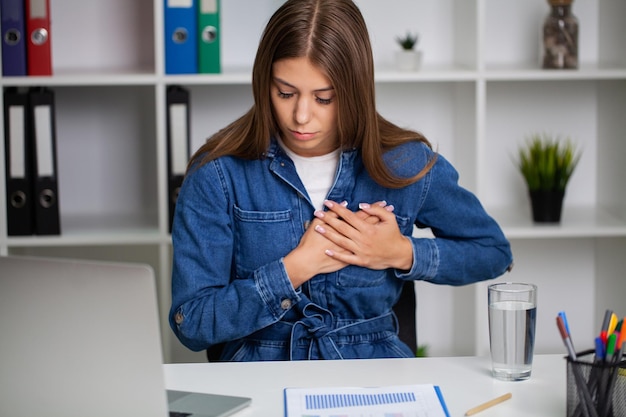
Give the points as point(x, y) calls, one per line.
point(274, 151)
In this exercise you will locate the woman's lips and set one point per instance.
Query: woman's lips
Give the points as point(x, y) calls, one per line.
point(302, 135)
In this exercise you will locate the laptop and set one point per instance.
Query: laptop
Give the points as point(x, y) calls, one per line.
point(81, 338)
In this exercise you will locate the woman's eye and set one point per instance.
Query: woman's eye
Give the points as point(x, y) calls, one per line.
point(324, 100)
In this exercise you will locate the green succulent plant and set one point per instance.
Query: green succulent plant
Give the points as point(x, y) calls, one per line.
point(547, 162)
point(422, 351)
point(409, 40)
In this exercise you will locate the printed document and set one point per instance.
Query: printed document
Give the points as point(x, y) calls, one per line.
point(422, 400)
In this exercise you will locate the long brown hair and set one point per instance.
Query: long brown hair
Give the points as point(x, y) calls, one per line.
point(334, 36)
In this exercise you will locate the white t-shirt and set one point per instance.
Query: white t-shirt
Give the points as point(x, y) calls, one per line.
point(317, 173)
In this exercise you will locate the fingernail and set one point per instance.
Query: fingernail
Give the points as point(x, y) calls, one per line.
point(328, 203)
point(319, 214)
point(382, 203)
point(344, 203)
point(329, 252)
point(320, 229)
point(364, 206)
point(389, 207)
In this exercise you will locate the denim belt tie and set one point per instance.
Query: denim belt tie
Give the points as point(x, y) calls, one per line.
point(316, 329)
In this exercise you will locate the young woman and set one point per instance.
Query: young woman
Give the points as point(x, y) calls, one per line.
point(293, 229)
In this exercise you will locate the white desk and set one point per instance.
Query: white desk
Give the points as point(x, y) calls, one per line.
point(464, 381)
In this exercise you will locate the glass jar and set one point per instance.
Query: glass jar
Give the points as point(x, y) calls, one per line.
point(560, 36)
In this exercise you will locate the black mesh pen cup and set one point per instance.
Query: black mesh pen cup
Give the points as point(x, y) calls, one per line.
point(596, 388)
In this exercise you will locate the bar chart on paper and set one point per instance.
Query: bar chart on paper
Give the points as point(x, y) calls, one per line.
point(424, 400)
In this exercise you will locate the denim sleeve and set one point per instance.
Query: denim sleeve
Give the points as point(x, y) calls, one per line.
point(209, 303)
point(468, 245)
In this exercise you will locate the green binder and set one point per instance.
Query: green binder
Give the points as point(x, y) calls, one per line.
point(209, 61)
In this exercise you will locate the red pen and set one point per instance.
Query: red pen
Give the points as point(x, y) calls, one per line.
point(605, 326)
point(566, 338)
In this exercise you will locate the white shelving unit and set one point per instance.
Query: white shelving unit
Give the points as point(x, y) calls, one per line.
point(479, 93)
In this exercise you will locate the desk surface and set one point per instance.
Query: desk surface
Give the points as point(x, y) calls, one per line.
point(464, 381)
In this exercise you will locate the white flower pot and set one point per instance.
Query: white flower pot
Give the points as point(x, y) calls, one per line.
point(408, 60)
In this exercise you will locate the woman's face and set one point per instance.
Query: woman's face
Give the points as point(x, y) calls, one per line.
point(304, 102)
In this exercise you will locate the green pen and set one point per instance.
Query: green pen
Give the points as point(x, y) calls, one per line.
point(610, 347)
point(610, 377)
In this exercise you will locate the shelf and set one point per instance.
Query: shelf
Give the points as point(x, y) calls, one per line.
point(428, 73)
point(82, 79)
point(242, 76)
point(585, 72)
point(97, 230)
point(576, 222)
point(384, 74)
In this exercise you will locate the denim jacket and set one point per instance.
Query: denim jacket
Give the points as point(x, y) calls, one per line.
point(236, 219)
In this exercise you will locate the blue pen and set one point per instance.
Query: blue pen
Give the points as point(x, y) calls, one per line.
point(564, 317)
point(596, 373)
point(599, 349)
point(609, 375)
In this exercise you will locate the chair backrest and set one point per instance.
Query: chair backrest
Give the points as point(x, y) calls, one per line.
point(405, 311)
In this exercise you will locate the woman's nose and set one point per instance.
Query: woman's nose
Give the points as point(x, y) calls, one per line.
point(302, 112)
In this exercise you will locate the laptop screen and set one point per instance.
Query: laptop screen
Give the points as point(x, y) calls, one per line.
point(79, 338)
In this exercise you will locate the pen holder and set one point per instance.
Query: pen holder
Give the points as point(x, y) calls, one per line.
point(596, 388)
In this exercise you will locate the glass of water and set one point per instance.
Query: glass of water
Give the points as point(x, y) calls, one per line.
point(512, 317)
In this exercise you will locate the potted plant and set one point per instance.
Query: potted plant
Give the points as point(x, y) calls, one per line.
point(408, 58)
point(547, 163)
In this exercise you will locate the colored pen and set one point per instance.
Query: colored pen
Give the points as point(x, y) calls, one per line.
point(616, 355)
point(605, 325)
point(610, 347)
point(612, 324)
point(566, 338)
point(564, 317)
point(600, 349)
point(596, 375)
point(605, 378)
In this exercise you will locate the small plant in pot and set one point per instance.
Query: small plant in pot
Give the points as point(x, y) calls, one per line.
point(408, 58)
point(547, 163)
point(408, 41)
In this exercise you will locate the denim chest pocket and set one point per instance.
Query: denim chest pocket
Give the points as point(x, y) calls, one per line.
point(262, 237)
point(359, 277)
point(405, 225)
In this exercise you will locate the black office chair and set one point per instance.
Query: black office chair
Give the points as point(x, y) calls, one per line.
point(214, 352)
point(404, 309)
